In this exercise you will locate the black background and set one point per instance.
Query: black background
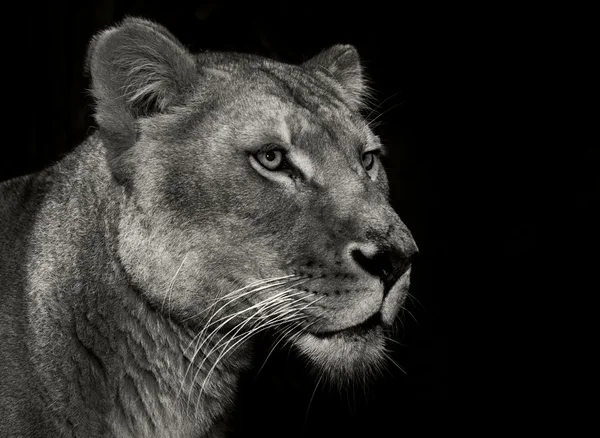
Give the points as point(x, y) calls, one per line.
point(485, 167)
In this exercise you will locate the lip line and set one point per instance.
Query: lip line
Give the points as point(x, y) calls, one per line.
point(368, 324)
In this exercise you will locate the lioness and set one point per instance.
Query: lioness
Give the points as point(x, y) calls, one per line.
point(222, 195)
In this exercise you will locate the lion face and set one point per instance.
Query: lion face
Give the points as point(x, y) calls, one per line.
point(257, 201)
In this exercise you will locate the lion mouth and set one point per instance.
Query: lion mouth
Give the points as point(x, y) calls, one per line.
point(361, 329)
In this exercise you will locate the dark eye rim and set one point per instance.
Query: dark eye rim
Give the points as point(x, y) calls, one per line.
point(373, 155)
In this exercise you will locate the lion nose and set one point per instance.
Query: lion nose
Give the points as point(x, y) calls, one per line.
point(389, 264)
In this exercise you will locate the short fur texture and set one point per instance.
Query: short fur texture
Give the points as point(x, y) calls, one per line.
point(134, 272)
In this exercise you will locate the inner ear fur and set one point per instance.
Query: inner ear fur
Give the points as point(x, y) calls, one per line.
point(137, 69)
point(342, 63)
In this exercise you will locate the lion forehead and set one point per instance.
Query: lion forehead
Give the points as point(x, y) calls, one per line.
point(252, 95)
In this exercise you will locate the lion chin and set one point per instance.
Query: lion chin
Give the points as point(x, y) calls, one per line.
point(348, 355)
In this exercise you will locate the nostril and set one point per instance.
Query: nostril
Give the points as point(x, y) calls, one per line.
point(373, 265)
point(388, 265)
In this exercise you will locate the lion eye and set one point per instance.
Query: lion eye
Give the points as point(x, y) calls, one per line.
point(271, 160)
point(368, 160)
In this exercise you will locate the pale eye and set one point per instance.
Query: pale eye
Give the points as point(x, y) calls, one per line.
point(271, 160)
point(368, 160)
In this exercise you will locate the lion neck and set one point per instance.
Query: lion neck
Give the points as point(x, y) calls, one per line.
point(103, 352)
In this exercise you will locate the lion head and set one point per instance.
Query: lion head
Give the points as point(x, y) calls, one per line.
point(254, 197)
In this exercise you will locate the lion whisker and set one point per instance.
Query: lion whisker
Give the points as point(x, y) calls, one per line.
point(393, 362)
point(171, 284)
point(260, 306)
point(379, 105)
point(200, 335)
point(372, 124)
point(404, 309)
point(414, 299)
point(229, 317)
point(262, 288)
point(243, 338)
point(283, 335)
point(284, 313)
point(219, 344)
point(311, 399)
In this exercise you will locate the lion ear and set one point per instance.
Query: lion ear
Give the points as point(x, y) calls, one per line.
point(342, 62)
point(137, 69)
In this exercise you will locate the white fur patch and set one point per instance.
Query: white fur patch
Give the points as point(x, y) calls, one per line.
point(395, 298)
point(302, 161)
